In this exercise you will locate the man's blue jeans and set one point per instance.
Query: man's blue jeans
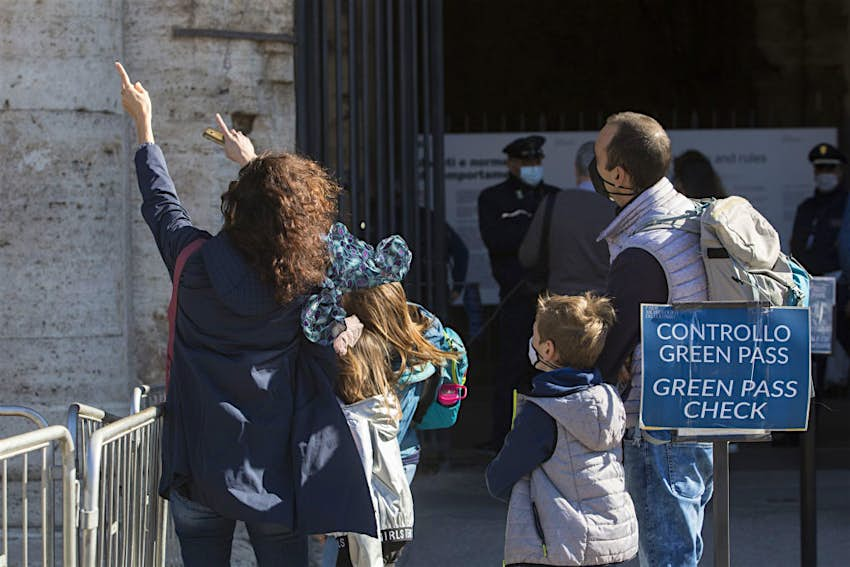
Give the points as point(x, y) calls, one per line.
point(206, 538)
point(670, 485)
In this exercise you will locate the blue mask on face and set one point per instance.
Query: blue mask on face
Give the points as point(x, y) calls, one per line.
point(531, 174)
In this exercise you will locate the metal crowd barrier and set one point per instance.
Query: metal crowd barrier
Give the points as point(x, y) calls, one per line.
point(82, 422)
point(145, 396)
point(41, 441)
point(122, 517)
point(48, 502)
point(27, 413)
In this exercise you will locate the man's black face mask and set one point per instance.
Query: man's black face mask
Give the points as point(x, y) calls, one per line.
point(599, 183)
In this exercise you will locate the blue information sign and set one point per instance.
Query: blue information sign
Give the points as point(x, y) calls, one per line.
point(821, 304)
point(721, 367)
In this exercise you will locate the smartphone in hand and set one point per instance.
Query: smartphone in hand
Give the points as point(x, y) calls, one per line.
point(214, 136)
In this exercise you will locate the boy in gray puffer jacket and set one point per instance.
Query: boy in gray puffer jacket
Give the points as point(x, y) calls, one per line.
point(561, 464)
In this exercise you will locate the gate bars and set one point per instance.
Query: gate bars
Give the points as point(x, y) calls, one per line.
point(369, 88)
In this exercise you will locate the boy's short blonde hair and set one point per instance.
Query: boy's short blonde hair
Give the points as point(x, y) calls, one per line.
point(577, 325)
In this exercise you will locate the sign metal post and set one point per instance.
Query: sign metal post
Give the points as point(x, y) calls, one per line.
point(720, 499)
point(822, 307)
point(721, 372)
point(808, 498)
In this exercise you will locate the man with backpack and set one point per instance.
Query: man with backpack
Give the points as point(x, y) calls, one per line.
point(670, 483)
point(666, 248)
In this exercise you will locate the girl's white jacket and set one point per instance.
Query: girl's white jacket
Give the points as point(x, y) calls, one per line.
point(374, 425)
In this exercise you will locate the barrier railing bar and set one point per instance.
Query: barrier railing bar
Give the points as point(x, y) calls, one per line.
point(25, 511)
point(5, 511)
point(21, 411)
point(48, 525)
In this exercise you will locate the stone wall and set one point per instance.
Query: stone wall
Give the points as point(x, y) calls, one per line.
point(63, 227)
point(84, 291)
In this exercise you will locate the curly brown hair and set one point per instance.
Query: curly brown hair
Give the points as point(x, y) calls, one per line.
point(277, 213)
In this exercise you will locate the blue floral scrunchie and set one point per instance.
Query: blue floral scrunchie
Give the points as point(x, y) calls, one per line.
point(354, 265)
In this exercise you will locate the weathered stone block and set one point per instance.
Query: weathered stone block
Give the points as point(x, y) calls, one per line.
point(62, 226)
point(56, 54)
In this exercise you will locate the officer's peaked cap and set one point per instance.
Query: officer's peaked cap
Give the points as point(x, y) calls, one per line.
point(826, 154)
point(526, 148)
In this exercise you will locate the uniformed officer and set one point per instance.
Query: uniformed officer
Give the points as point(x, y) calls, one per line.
point(504, 215)
point(814, 240)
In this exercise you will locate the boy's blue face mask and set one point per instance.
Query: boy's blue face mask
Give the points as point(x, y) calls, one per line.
point(531, 174)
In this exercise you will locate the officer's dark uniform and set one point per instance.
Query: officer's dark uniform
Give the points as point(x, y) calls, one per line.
point(814, 239)
point(504, 215)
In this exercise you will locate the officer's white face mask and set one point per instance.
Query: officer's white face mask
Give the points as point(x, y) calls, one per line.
point(826, 181)
point(531, 174)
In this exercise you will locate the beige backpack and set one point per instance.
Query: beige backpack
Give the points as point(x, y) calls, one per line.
point(741, 253)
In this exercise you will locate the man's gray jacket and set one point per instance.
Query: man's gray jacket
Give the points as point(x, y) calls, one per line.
point(577, 262)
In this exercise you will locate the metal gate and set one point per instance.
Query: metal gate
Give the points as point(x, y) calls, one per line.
point(369, 96)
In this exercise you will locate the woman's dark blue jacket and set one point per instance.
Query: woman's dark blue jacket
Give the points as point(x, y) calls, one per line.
point(252, 427)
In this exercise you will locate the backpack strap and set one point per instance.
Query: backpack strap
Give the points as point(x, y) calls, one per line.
point(187, 251)
point(429, 393)
point(688, 221)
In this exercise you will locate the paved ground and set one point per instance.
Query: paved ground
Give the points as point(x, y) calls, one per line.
point(458, 524)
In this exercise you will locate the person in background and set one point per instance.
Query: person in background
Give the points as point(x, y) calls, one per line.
point(577, 261)
point(670, 483)
point(694, 177)
point(456, 257)
point(504, 216)
point(842, 300)
point(562, 463)
point(252, 429)
point(815, 236)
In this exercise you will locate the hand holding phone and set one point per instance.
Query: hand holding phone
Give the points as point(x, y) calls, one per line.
point(237, 146)
point(214, 136)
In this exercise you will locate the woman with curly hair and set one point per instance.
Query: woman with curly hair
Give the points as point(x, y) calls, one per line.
point(253, 431)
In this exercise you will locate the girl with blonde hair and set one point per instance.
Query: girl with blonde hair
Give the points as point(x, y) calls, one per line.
point(419, 357)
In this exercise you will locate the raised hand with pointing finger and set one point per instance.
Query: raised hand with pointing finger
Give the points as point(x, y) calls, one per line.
point(137, 103)
point(237, 146)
